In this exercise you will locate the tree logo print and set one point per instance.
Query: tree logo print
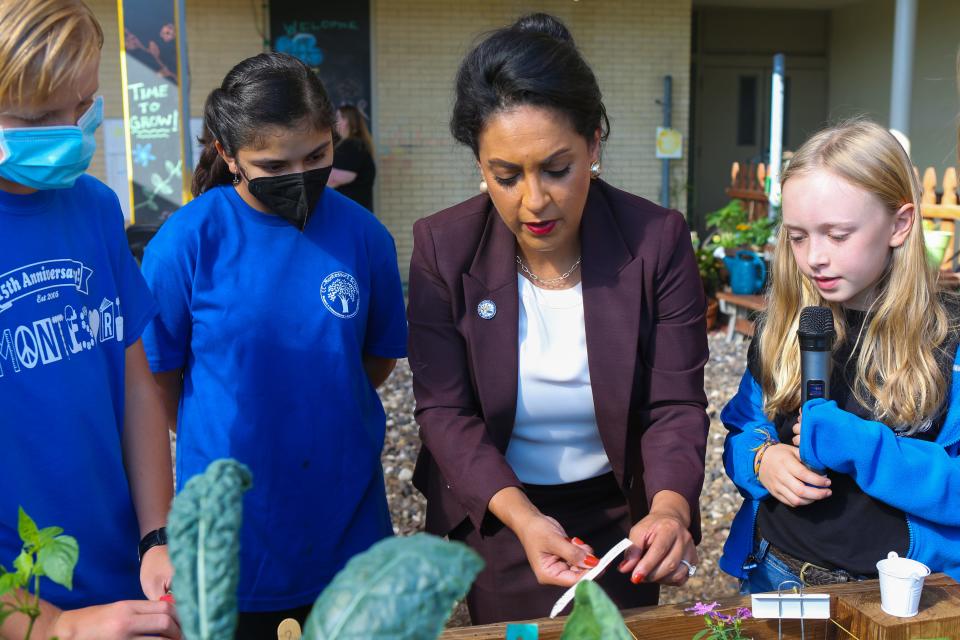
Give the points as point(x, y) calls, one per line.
point(340, 294)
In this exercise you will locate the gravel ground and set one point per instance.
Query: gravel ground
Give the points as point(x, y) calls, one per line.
point(718, 502)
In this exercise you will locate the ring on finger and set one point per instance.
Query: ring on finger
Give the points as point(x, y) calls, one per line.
point(691, 568)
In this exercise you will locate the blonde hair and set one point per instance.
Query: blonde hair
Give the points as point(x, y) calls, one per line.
point(44, 44)
point(898, 376)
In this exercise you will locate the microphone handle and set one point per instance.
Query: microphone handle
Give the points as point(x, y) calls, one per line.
point(814, 374)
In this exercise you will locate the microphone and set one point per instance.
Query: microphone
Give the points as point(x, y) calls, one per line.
point(815, 335)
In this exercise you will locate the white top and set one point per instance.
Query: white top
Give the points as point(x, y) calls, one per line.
point(555, 438)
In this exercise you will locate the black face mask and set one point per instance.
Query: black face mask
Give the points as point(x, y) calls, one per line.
point(293, 196)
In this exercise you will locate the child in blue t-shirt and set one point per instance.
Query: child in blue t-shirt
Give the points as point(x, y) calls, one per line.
point(281, 311)
point(85, 447)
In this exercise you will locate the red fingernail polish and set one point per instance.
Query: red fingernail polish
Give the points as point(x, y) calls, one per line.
point(591, 561)
point(637, 578)
point(576, 540)
point(167, 597)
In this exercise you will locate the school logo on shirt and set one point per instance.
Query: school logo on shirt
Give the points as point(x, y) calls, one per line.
point(340, 294)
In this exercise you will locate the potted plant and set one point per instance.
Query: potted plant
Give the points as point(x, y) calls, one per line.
point(741, 242)
point(732, 229)
point(710, 267)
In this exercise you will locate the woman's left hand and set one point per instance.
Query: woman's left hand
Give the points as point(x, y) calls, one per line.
point(660, 542)
point(156, 572)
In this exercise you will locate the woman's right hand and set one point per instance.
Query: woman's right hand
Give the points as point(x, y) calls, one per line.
point(118, 621)
point(789, 480)
point(554, 558)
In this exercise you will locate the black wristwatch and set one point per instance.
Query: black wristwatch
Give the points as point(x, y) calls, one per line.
point(153, 539)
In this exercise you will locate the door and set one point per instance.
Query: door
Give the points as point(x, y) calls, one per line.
point(732, 114)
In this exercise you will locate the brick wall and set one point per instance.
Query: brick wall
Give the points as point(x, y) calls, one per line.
point(417, 45)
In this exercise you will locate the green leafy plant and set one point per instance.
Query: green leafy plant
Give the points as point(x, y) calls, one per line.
point(719, 626)
point(46, 553)
point(204, 530)
point(731, 227)
point(399, 588)
point(708, 264)
point(594, 616)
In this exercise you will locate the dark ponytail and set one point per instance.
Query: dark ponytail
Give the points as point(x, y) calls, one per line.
point(267, 90)
point(211, 169)
point(532, 62)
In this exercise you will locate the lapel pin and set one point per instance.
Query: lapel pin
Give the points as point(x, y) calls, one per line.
point(487, 309)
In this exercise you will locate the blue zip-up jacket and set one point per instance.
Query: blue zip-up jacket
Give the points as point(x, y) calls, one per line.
point(921, 478)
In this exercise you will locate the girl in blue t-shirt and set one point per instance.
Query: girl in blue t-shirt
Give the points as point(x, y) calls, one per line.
point(831, 490)
point(281, 311)
point(85, 447)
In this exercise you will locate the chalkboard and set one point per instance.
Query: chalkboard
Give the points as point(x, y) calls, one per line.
point(152, 109)
point(333, 38)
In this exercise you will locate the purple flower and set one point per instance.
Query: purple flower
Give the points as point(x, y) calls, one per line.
point(744, 614)
point(725, 619)
point(701, 609)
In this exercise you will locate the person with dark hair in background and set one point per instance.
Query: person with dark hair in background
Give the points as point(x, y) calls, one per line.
point(557, 343)
point(353, 167)
point(281, 312)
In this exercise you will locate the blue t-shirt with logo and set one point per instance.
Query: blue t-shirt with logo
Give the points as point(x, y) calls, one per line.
point(71, 301)
point(270, 326)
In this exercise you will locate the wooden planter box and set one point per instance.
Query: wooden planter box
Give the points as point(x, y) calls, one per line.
point(854, 608)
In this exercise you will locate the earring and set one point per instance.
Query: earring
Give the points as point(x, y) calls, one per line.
point(595, 170)
point(236, 178)
point(483, 185)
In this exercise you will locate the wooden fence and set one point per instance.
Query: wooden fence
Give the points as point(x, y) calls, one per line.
point(939, 202)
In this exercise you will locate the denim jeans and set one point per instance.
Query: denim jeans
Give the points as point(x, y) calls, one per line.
point(764, 571)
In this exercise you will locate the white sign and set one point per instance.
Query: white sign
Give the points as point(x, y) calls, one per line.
point(669, 143)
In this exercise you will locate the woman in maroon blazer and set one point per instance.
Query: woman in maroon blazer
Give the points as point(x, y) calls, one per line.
point(557, 343)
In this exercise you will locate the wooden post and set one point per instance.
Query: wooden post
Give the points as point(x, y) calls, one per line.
point(929, 187)
point(289, 629)
point(949, 186)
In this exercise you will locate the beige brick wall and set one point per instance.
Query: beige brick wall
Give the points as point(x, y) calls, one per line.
point(418, 44)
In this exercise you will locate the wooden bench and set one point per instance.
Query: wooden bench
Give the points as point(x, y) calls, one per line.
point(854, 613)
point(740, 310)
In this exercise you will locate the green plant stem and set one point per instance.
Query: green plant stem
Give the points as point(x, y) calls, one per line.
point(34, 613)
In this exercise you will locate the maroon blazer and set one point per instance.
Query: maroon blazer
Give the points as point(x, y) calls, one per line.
point(646, 348)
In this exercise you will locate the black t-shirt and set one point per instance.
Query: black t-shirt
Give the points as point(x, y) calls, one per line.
point(849, 530)
point(352, 155)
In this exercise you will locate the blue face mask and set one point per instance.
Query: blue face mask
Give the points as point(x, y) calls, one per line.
point(50, 157)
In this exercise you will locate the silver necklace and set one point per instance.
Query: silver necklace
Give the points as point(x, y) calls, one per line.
point(548, 282)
